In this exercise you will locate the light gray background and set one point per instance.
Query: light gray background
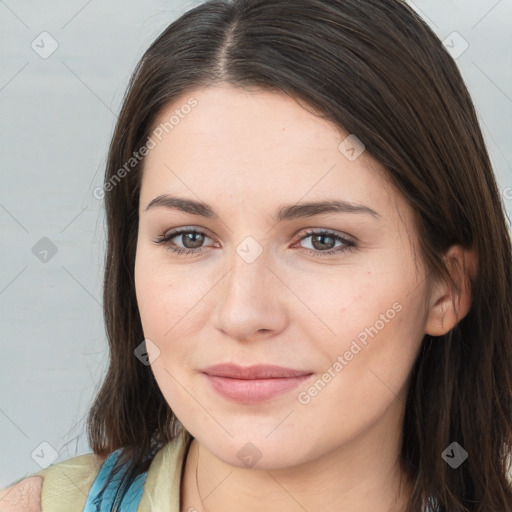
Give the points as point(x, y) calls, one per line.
point(57, 116)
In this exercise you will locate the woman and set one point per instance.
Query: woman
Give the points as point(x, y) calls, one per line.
point(307, 276)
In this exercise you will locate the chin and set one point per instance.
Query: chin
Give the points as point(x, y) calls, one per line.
point(255, 452)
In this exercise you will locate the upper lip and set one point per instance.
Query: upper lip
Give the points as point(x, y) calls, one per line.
point(260, 371)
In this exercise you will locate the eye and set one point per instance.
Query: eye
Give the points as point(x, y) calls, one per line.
point(323, 240)
point(193, 239)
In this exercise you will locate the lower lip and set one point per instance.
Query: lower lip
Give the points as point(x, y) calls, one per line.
point(251, 391)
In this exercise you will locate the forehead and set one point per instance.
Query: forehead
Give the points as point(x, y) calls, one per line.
point(257, 149)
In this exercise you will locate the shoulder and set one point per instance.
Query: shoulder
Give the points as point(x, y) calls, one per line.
point(59, 483)
point(24, 496)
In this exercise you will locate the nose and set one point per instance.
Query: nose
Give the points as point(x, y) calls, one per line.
point(251, 300)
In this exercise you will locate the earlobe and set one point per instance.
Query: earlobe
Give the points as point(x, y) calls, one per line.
point(449, 304)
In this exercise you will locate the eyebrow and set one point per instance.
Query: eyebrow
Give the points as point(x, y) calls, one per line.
point(288, 212)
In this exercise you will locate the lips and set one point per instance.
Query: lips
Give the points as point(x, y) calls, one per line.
point(253, 384)
point(234, 371)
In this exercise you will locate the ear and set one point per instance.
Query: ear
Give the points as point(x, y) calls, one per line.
point(450, 304)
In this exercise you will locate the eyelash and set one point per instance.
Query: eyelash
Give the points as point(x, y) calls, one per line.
point(165, 240)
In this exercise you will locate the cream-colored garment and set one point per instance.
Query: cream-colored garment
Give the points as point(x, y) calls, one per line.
point(67, 484)
point(163, 482)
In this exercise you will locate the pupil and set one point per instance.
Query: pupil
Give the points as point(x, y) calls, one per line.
point(195, 243)
point(322, 244)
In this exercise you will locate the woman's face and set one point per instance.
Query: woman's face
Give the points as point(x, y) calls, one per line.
point(263, 284)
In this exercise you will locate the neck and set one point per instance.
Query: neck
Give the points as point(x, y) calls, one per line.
point(362, 475)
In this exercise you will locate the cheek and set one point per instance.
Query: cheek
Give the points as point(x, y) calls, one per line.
point(378, 323)
point(371, 360)
point(173, 309)
point(362, 380)
point(166, 311)
point(163, 296)
point(346, 304)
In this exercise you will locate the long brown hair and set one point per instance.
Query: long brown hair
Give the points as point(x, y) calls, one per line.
point(377, 70)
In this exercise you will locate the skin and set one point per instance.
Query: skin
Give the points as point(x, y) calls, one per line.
point(24, 496)
point(247, 153)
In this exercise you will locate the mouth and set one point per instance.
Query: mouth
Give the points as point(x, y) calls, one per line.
point(253, 384)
